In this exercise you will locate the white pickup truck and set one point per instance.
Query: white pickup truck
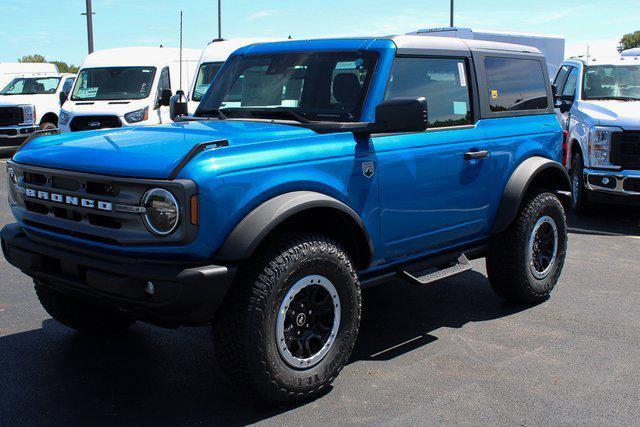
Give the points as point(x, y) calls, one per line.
point(30, 103)
point(599, 107)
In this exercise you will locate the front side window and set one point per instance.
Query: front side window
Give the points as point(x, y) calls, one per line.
point(515, 84)
point(68, 84)
point(561, 77)
point(113, 83)
point(316, 86)
point(206, 73)
point(612, 82)
point(442, 81)
point(31, 86)
point(572, 83)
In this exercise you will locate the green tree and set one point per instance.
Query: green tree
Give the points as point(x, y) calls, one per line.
point(63, 67)
point(629, 41)
point(32, 58)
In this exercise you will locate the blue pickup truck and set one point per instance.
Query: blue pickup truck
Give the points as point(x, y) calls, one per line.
point(311, 169)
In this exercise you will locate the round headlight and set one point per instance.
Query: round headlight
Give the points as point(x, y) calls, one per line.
point(161, 211)
point(12, 181)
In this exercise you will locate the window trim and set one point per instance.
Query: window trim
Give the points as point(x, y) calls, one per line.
point(471, 85)
point(485, 108)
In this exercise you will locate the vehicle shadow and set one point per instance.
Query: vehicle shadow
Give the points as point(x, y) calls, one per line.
point(606, 220)
point(148, 375)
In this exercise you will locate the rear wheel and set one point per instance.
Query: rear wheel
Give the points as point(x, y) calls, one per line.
point(525, 261)
point(81, 315)
point(291, 322)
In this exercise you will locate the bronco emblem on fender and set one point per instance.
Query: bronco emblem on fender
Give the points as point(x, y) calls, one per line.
point(367, 169)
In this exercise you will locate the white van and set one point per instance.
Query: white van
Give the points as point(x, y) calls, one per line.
point(126, 87)
point(211, 60)
point(552, 47)
point(11, 70)
point(635, 52)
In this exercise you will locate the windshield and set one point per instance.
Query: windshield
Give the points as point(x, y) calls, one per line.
point(206, 73)
point(612, 82)
point(32, 86)
point(114, 83)
point(306, 86)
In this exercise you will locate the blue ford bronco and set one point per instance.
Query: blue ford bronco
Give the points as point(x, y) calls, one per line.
point(311, 169)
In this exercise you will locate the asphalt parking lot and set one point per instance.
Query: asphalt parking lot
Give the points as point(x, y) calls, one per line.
point(452, 352)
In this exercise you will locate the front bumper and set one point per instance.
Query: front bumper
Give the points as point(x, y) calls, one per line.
point(623, 183)
point(184, 294)
point(12, 136)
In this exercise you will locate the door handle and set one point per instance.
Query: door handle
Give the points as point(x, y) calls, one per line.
point(474, 155)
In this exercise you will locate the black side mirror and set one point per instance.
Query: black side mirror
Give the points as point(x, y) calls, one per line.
point(564, 103)
point(402, 115)
point(63, 98)
point(165, 98)
point(178, 105)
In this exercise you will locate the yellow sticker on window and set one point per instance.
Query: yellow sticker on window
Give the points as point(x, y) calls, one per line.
point(494, 94)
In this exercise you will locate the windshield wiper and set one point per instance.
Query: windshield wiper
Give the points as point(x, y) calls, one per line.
point(269, 113)
point(208, 113)
point(615, 98)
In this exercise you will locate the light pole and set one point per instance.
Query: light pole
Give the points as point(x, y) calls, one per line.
point(219, 19)
point(89, 15)
point(451, 15)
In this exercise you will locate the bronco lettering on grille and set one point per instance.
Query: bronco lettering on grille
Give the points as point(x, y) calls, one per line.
point(69, 200)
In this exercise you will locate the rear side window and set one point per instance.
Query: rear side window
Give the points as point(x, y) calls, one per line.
point(515, 84)
point(442, 81)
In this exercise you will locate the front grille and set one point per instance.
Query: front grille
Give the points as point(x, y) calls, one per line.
point(11, 116)
point(52, 200)
point(632, 184)
point(94, 122)
point(625, 149)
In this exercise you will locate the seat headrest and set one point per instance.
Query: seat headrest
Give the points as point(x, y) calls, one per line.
point(346, 88)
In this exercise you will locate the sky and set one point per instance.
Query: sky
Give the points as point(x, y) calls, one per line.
point(57, 30)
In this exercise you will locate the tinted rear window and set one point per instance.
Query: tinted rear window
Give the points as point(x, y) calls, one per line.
point(515, 84)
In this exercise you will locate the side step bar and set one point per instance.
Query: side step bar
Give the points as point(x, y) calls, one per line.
point(434, 274)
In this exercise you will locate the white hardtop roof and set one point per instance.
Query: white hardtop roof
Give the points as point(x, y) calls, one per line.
point(457, 44)
point(219, 50)
point(426, 31)
point(139, 57)
point(594, 60)
point(631, 52)
point(27, 67)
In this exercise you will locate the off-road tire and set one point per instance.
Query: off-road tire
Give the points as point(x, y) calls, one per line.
point(82, 316)
point(508, 260)
point(244, 334)
point(579, 193)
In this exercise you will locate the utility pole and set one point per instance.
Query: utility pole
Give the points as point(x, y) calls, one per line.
point(219, 19)
point(451, 15)
point(89, 14)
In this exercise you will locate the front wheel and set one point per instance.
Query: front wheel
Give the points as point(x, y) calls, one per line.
point(291, 321)
point(525, 261)
point(579, 195)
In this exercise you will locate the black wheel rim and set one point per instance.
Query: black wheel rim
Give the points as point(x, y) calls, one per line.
point(308, 321)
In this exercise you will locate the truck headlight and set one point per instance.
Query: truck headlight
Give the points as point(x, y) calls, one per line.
point(12, 186)
point(137, 116)
point(162, 212)
point(64, 118)
point(28, 114)
point(600, 146)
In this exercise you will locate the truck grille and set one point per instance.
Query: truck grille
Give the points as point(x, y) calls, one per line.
point(94, 122)
point(625, 149)
point(11, 116)
point(53, 201)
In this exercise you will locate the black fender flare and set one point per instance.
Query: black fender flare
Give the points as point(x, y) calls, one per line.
point(253, 228)
point(520, 181)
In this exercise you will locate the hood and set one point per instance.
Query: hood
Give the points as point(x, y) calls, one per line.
point(21, 99)
point(624, 114)
point(146, 151)
point(104, 108)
